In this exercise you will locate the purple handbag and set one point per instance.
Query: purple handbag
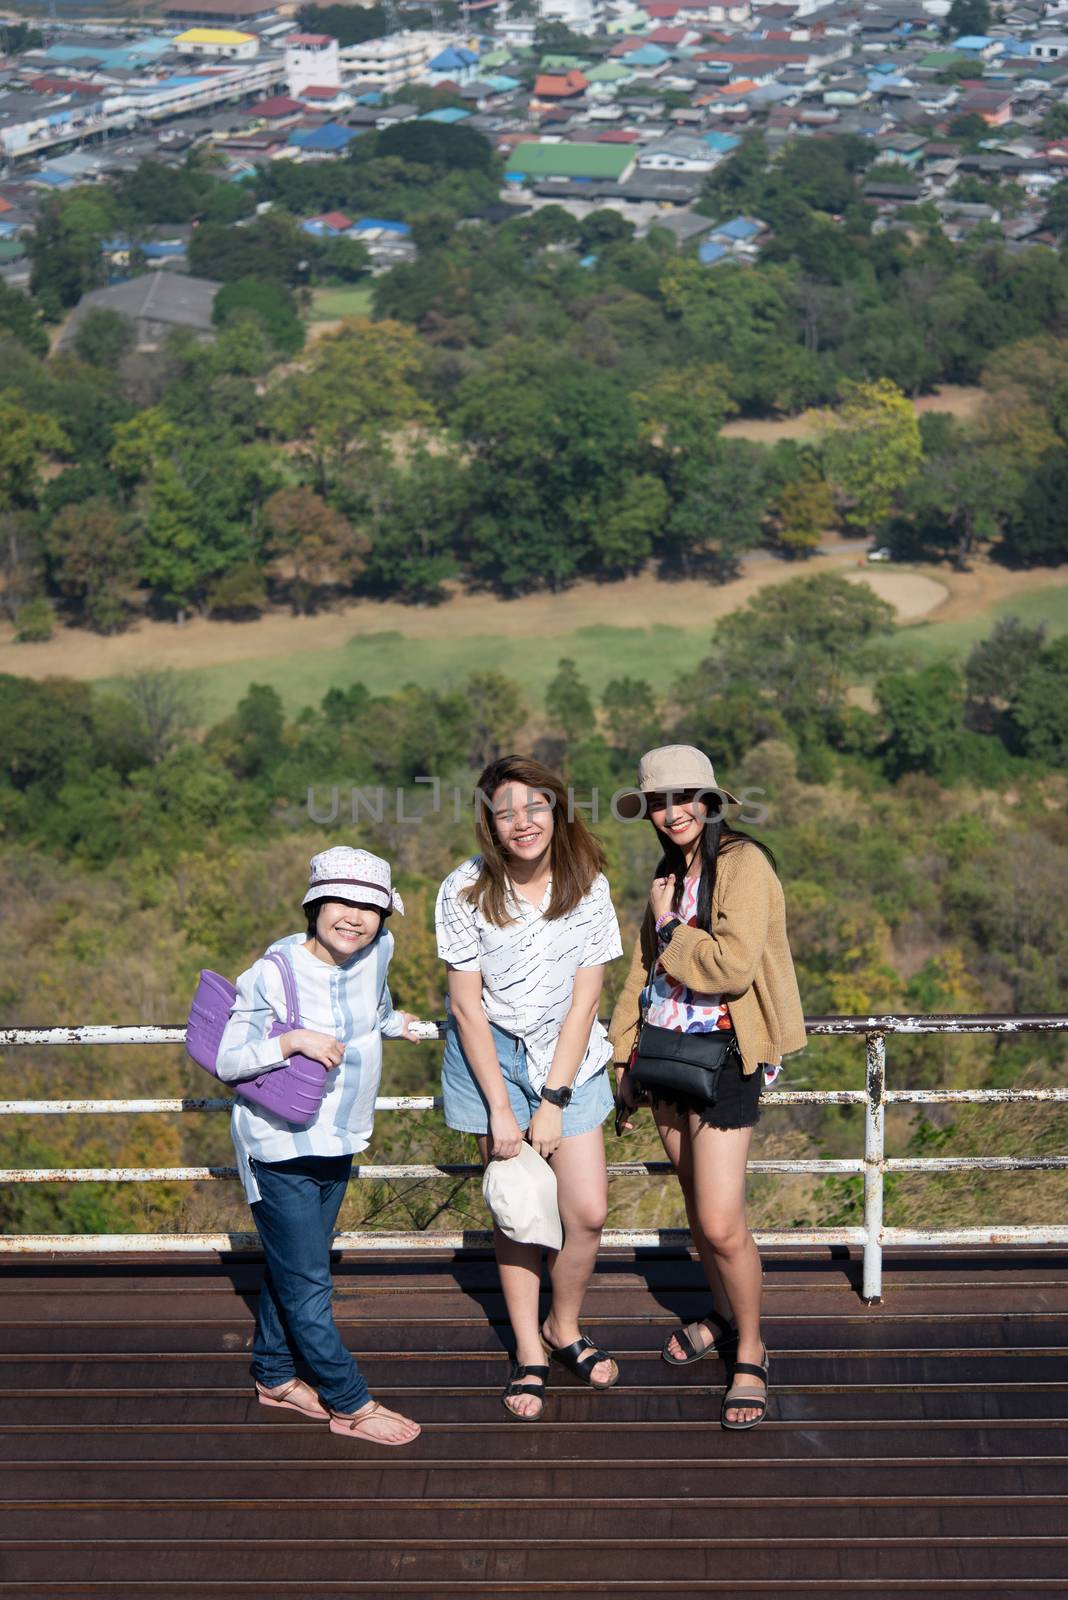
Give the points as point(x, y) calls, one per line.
point(293, 1091)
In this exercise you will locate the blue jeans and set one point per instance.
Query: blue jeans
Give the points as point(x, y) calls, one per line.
point(295, 1216)
point(466, 1107)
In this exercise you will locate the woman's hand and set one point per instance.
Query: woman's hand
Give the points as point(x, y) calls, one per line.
point(321, 1047)
point(546, 1129)
point(661, 895)
point(626, 1096)
point(409, 1018)
point(506, 1136)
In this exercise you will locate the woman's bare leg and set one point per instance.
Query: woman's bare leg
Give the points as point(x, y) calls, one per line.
point(674, 1130)
point(520, 1268)
point(719, 1161)
point(582, 1195)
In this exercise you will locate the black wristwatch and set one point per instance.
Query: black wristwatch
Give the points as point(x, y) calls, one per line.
point(557, 1097)
point(666, 929)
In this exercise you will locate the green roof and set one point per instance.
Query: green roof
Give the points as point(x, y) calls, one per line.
point(940, 59)
point(12, 249)
point(543, 160)
point(562, 64)
point(608, 72)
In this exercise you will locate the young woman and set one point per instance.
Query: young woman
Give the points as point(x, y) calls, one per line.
point(295, 1178)
point(526, 927)
point(714, 939)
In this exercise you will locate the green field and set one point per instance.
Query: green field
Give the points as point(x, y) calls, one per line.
point(660, 654)
point(923, 642)
point(330, 304)
point(387, 661)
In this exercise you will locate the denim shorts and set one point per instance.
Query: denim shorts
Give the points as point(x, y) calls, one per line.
point(466, 1107)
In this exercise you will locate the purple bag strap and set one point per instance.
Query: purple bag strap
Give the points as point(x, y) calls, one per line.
point(292, 1007)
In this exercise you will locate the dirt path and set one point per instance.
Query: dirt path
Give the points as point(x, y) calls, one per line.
point(961, 401)
point(631, 603)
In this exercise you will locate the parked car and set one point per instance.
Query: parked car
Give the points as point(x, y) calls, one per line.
point(883, 553)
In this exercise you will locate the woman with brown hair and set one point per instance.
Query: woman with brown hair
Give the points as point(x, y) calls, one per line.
point(526, 926)
point(711, 958)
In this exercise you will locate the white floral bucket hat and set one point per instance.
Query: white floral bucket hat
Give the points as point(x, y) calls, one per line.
point(342, 873)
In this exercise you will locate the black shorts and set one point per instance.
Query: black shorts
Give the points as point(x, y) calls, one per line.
point(737, 1104)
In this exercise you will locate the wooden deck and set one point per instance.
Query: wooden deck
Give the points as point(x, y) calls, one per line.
point(913, 1448)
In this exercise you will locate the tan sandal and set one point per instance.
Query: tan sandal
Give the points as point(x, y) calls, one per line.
point(352, 1426)
point(285, 1399)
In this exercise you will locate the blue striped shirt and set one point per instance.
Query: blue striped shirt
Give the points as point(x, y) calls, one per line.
point(352, 1004)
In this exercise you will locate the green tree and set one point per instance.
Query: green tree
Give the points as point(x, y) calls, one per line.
point(1038, 707)
point(450, 146)
point(803, 511)
point(415, 518)
point(358, 384)
point(631, 714)
point(995, 668)
point(1036, 534)
point(795, 645)
point(104, 336)
point(498, 712)
point(871, 448)
point(568, 703)
point(923, 715)
point(26, 438)
point(270, 302)
point(967, 17)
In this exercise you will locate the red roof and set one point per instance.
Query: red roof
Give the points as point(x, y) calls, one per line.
point(47, 85)
point(307, 38)
point(559, 85)
point(278, 106)
point(618, 136)
point(321, 91)
point(660, 10)
point(623, 47)
point(5, 205)
point(337, 220)
point(669, 35)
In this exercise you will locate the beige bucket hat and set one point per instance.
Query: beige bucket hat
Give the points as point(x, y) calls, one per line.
point(521, 1194)
point(672, 769)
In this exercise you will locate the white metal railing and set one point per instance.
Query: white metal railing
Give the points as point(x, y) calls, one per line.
point(874, 1165)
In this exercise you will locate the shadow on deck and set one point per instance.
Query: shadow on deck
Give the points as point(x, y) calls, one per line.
point(912, 1448)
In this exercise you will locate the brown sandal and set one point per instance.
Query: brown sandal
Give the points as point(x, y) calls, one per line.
point(351, 1426)
point(283, 1398)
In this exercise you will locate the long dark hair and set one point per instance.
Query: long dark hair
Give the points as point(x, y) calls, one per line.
point(576, 855)
point(716, 837)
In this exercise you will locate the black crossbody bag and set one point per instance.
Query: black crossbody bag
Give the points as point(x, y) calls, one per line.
point(668, 1064)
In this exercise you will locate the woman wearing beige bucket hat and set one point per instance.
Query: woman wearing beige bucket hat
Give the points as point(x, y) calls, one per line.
point(711, 958)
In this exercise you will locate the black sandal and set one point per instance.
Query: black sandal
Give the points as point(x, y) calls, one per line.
point(727, 1341)
point(514, 1386)
point(743, 1399)
point(581, 1358)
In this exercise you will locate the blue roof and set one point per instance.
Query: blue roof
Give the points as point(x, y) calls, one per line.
point(648, 55)
point(709, 253)
point(738, 228)
point(58, 180)
point(162, 249)
point(367, 223)
point(445, 114)
point(317, 229)
point(722, 141)
point(971, 41)
point(7, 229)
point(331, 136)
point(500, 82)
point(452, 57)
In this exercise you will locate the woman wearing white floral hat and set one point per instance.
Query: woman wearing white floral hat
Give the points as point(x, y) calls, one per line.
point(712, 962)
point(295, 1178)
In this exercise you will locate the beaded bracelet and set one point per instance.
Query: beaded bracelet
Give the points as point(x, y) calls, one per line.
point(665, 916)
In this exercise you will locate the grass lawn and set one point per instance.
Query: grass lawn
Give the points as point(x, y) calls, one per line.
point(924, 642)
point(387, 661)
point(330, 304)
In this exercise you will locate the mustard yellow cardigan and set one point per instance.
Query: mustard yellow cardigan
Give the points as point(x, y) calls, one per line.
point(746, 958)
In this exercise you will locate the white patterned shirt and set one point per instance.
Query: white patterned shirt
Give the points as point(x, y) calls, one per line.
point(528, 968)
point(351, 1003)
